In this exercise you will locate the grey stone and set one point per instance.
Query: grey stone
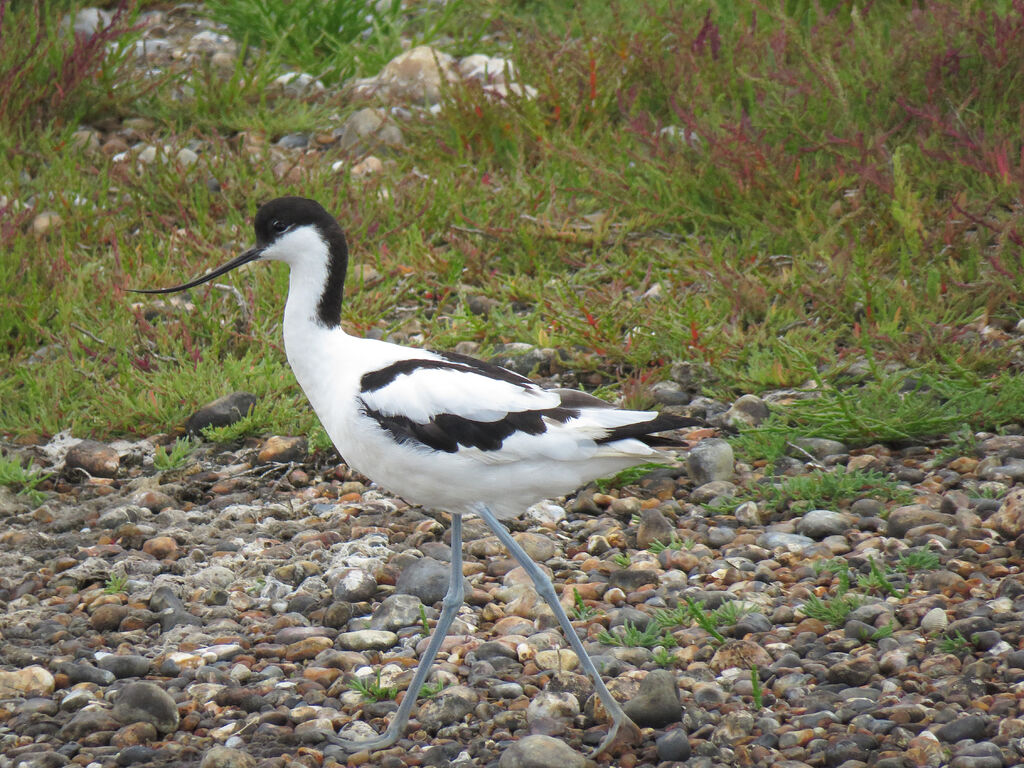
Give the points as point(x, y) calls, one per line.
point(674, 746)
point(368, 130)
point(541, 752)
point(449, 706)
point(819, 523)
point(853, 672)
point(148, 703)
point(657, 702)
point(354, 585)
point(367, 640)
point(720, 535)
point(89, 721)
point(818, 447)
point(397, 611)
point(89, 21)
point(553, 706)
point(710, 460)
point(125, 665)
point(294, 141)
point(793, 542)
point(902, 519)
point(519, 357)
point(427, 579)
point(969, 727)
point(85, 673)
point(654, 526)
point(222, 412)
point(96, 459)
point(225, 757)
point(747, 411)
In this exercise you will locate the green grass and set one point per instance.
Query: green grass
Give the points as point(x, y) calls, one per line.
point(580, 610)
point(632, 636)
point(821, 488)
point(178, 455)
point(116, 584)
point(955, 643)
point(827, 200)
point(372, 690)
point(628, 476)
point(24, 481)
point(915, 560)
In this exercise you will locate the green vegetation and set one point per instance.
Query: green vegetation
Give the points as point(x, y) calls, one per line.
point(430, 690)
point(628, 476)
point(813, 195)
point(177, 457)
point(834, 610)
point(622, 559)
point(823, 488)
point(658, 546)
point(580, 610)
point(634, 637)
point(116, 584)
point(663, 657)
point(25, 481)
point(372, 690)
point(693, 612)
point(914, 560)
point(755, 684)
point(956, 643)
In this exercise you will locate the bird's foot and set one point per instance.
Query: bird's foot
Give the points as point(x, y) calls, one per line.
point(623, 733)
point(382, 741)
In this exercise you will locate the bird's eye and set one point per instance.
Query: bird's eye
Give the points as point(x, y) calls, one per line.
point(278, 226)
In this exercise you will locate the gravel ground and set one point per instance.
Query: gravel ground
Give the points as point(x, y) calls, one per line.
point(217, 614)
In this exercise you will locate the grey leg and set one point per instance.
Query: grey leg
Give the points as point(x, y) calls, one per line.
point(450, 605)
point(547, 592)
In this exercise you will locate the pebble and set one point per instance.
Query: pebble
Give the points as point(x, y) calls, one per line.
point(367, 130)
point(125, 665)
point(225, 757)
point(539, 751)
point(146, 702)
point(367, 640)
point(449, 706)
point(222, 412)
point(972, 727)
point(415, 77)
point(397, 611)
point(817, 447)
point(425, 578)
point(657, 703)
point(552, 706)
point(47, 221)
point(746, 411)
point(674, 746)
point(710, 460)
point(283, 449)
point(354, 585)
point(30, 681)
point(819, 523)
point(654, 526)
point(94, 458)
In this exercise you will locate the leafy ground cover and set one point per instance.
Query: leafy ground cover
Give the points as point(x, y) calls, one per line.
point(825, 195)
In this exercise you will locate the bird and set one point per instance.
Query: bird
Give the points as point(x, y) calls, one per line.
point(440, 429)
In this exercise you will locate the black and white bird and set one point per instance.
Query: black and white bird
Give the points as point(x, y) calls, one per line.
point(441, 430)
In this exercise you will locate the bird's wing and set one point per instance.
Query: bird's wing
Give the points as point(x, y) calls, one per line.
point(460, 405)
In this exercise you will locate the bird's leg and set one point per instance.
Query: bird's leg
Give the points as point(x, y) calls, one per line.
point(450, 605)
point(547, 591)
